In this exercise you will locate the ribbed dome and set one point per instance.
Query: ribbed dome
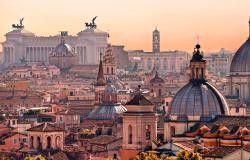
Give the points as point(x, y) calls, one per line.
point(241, 59)
point(106, 111)
point(198, 98)
point(63, 49)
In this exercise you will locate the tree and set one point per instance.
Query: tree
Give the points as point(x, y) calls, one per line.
point(147, 156)
point(38, 157)
point(182, 155)
point(186, 155)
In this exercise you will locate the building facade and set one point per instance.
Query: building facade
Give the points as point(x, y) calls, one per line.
point(219, 62)
point(22, 46)
point(164, 61)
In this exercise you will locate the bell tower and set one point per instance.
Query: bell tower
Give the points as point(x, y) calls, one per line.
point(139, 123)
point(109, 63)
point(156, 41)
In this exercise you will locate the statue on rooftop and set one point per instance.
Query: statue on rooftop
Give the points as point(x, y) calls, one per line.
point(20, 25)
point(91, 24)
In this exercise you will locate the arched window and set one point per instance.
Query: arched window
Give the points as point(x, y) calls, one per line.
point(48, 142)
point(237, 92)
point(197, 73)
point(38, 142)
point(58, 144)
point(112, 70)
point(148, 132)
point(31, 142)
point(159, 92)
point(172, 131)
point(107, 70)
point(130, 136)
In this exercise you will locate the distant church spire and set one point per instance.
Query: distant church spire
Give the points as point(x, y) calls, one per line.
point(100, 77)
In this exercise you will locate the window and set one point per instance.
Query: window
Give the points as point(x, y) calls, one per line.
point(130, 136)
point(148, 132)
point(14, 141)
point(13, 122)
point(172, 131)
point(109, 131)
point(31, 142)
point(237, 109)
point(197, 73)
point(159, 92)
point(98, 131)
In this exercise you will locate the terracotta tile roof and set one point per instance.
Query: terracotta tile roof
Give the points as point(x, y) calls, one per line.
point(219, 152)
point(189, 146)
point(103, 140)
point(45, 127)
point(231, 120)
point(59, 156)
point(10, 134)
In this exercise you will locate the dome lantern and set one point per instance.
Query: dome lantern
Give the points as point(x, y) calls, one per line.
point(197, 65)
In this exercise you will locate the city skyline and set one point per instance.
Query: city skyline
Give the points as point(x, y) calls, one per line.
point(131, 23)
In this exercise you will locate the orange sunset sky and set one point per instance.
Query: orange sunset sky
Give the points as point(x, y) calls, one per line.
point(220, 23)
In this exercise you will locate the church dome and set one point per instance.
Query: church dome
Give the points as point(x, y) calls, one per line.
point(63, 49)
point(106, 111)
point(240, 62)
point(198, 99)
